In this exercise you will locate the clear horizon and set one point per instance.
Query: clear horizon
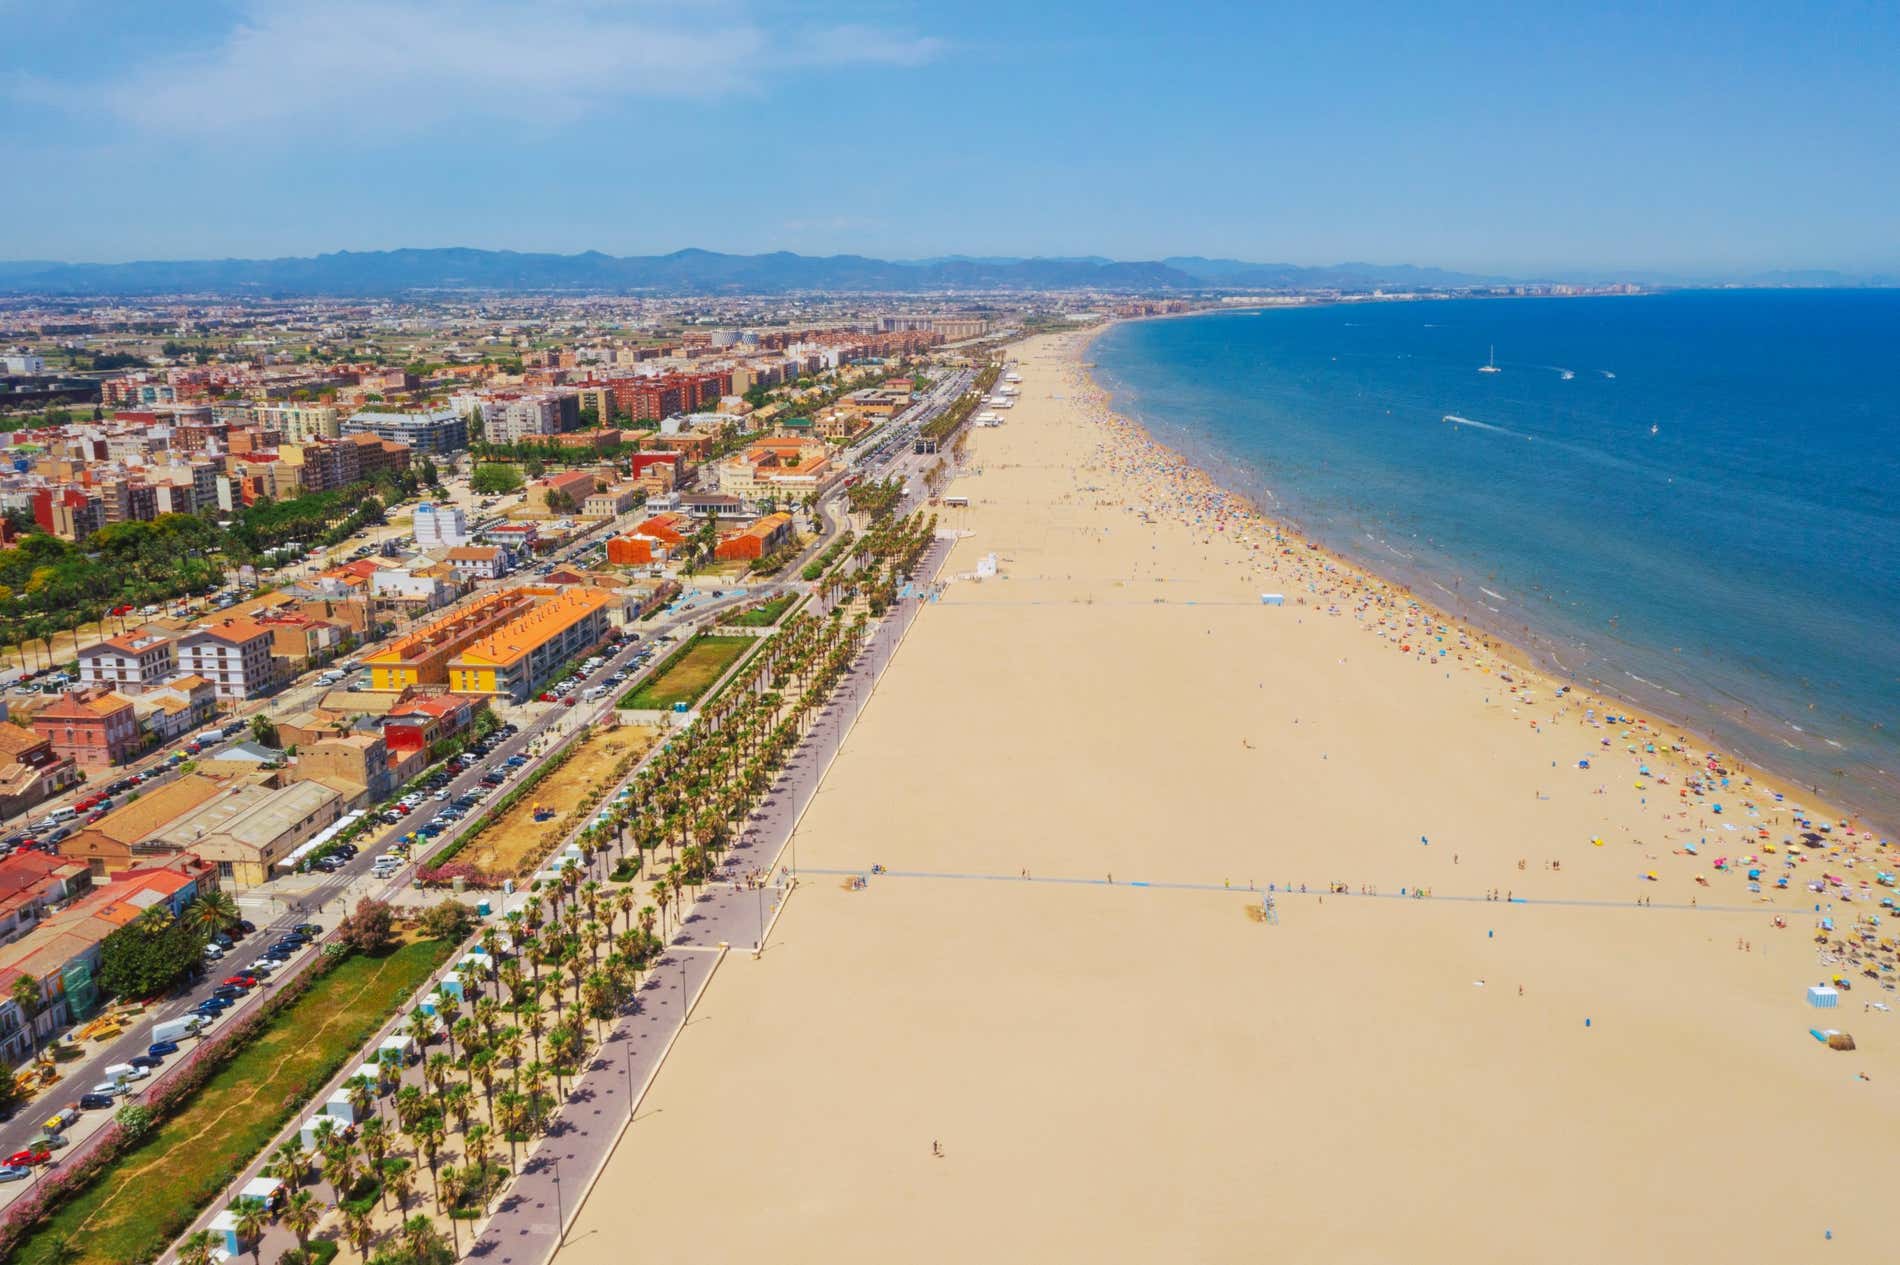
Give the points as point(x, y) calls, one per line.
point(1707, 141)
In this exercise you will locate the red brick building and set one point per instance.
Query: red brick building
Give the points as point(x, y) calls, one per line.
point(94, 727)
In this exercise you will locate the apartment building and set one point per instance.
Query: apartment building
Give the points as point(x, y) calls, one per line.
point(440, 526)
point(93, 727)
point(233, 654)
point(422, 657)
point(130, 663)
point(300, 423)
point(513, 660)
point(435, 432)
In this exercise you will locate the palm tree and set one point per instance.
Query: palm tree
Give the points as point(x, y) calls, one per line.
point(341, 1165)
point(429, 1135)
point(199, 1249)
point(212, 912)
point(422, 1239)
point(475, 1148)
point(358, 1230)
point(290, 1162)
point(26, 995)
point(301, 1214)
point(375, 1139)
point(399, 1179)
point(362, 1095)
point(61, 1250)
point(252, 1219)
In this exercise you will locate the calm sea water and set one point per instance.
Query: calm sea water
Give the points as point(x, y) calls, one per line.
point(1692, 499)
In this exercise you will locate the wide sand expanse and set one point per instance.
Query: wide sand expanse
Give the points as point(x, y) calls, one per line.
point(1138, 1073)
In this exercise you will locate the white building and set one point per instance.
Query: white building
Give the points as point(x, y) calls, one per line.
point(233, 654)
point(130, 663)
point(440, 526)
point(22, 362)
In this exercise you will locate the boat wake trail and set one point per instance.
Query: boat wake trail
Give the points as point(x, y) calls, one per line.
point(1456, 420)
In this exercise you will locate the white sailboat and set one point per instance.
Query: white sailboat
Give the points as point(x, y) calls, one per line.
point(1491, 366)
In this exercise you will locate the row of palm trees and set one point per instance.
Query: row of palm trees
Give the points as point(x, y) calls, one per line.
point(693, 796)
point(570, 960)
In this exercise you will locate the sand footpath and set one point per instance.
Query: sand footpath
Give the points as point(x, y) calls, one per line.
point(1149, 1072)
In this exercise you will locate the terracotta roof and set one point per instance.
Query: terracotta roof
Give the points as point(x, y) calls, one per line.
point(519, 637)
point(82, 706)
point(234, 631)
point(16, 742)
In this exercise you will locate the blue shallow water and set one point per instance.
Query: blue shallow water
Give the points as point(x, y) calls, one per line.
point(1738, 569)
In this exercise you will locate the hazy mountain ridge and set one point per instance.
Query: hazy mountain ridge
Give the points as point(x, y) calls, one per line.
point(389, 272)
point(683, 271)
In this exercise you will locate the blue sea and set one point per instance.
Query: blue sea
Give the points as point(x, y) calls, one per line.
point(1691, 500)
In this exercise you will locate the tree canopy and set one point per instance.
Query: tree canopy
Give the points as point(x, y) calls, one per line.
point(148, 955)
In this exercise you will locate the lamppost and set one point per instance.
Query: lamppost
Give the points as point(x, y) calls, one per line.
point(629, 1067)
point(560, 1216)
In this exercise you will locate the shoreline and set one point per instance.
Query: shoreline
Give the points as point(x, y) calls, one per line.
point(1539, 662)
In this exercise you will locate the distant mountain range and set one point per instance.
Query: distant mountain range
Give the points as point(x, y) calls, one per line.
point(392, 272)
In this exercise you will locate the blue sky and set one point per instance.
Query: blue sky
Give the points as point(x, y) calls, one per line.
point(1501, 138)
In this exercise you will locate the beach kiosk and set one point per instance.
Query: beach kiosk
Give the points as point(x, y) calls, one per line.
point(225, 1227)
point(402, 1045)
point(1824, 997)
point(261, 1191)
point(1273, 599)
point(338, 1107)
point(451, 986)
point(312, 1132)
point(375, 1074)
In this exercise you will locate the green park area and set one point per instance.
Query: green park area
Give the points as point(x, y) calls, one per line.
point(148, 1195)
point(688, 673)
point(761, 616)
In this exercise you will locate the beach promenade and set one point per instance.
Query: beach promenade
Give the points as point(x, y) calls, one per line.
point(731, 914)
point(1053, 1023)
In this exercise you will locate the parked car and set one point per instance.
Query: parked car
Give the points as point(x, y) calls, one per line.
point(159, 1049)
point(29, 1156)
point(95, 1102)
point(14, 1173)
point(146, 1061)
point(49, 1142)
point(107, 1089)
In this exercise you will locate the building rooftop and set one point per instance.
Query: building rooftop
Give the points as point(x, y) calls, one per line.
point(520, 637)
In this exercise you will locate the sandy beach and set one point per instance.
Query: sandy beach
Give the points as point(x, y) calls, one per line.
point(1475, 1027)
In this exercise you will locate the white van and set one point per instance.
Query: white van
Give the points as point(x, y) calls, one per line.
point(62, 814)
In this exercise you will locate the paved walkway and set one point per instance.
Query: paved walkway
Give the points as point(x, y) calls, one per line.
point(526, 1227)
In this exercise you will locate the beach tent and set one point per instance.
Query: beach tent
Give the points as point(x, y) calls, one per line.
point(1839, 1041)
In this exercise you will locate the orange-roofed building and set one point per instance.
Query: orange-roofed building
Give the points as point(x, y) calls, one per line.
point(635, 550)
point(754, 542)
point(670, 528)
point(422, 657)
point(233, 654)
point(30, 770)
point(95, 727)
point(514, 659)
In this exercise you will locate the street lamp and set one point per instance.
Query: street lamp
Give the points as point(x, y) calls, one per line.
point(560, 1216)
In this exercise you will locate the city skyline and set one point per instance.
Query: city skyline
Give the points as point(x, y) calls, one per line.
point(1468, 139)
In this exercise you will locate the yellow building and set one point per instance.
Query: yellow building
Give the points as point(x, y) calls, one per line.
point(422, 657)
point(514, 659)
